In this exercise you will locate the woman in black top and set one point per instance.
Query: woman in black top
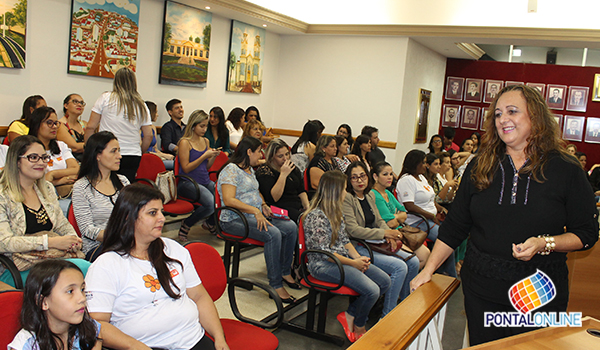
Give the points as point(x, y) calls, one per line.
point(280, 182)
point(322, 161)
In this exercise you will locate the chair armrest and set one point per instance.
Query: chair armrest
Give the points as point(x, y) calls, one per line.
point(423, 218)
point(150, 182)
point(230, 236)
point(304, 269)
point(196, 187)
point(270, 290)
point(12, 268)
point(366, 245)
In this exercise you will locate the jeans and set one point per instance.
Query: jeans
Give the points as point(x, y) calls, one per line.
point(280, 241)
point(207, 199)
point(449, 266)
point(370, 285)
point(401, 273)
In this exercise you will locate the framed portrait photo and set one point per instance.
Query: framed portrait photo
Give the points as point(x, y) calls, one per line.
point(511, 83)
point(422, 116)
point(559, 120)
point(578, 96)
point(451, 116)
point(473, 90)
point(596, 95)
point(454, 88)
point(573, 128)
point(555, 96)
point(539, 86)
point(492, 88)
point(592, 133)
point(484, 112)
point(470, 117)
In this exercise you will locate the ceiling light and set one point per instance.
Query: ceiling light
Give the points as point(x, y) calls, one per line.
point(517, 52)
point(264, 25)
point(207, 7)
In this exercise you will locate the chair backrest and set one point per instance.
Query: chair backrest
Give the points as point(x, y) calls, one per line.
point(176, 166)
point(6, 141)
point(72, 220)
point(10, 312)
point(221, 159)
point(150, 166)
point(210, 268)
point(306, 184)
point(301, 238)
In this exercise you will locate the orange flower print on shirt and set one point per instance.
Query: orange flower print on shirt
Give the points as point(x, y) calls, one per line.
point(152, 283)
point(50, 162)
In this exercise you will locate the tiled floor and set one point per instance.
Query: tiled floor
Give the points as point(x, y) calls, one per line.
point(257, 305)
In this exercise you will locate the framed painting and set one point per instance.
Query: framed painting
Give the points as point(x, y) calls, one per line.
point(492, 88)
point(559, 119)
point(539, 86)
point(578, 96)
point(422, 116)
point(13, 24)
point(596, 96)
point(573, 128)
point(246, 56)
point(450, 116)
point(555, 96)
point(592, 133)
point(454, 88)
point(103, 37)
point(473, 91)
point(511, 83)
point(185, 46)
point(484, 112)
point(470, 117)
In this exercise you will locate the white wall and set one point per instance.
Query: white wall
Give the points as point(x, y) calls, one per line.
point(47, 57)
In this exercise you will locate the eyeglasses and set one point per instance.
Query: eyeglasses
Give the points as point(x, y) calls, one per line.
point(77, 102)
point(53, 123)
point(361, 177)
point(437, 141)
point(34, 157)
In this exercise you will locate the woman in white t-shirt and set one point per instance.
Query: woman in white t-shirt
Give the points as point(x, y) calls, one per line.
point(235, 125)
point(123, 112)
point(145, 285)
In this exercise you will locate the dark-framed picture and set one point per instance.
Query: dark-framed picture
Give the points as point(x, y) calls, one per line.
point(492, 88)
point(484, 112)
point(246, 58)
point(451, 116)
point(592, 133)
point(555, 96)
point(470, 117)
point(596, 96)
point(511, 83)
point(473, 90)
point(578, 96)
point(185, 46)
point(539, 86)
point(422, 116)
point(13, 25)
point(573, 128)
point(104, 37)
point(559, 120)
point(454, 88)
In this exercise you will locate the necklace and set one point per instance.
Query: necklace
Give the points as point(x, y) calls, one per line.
point(139, 257)
point(40, 215)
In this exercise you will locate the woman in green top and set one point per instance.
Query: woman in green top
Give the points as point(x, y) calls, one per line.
point(392, 212)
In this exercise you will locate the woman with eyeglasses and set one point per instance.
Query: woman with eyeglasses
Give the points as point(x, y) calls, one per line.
point(97, 189)
point(72, 127)
point(30, 216)
point(436, 145)
point(63, 167)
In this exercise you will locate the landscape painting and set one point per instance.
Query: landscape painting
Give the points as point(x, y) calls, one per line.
point(13, 22)
point(246, 55)
point(185, 46)
point(104, 37)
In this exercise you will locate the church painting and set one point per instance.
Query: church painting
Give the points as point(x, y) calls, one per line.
point(246, 55)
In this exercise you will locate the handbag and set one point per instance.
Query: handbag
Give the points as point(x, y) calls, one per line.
point(165, 181)
point(412, 237)
point(25, 260)
point(386, 248)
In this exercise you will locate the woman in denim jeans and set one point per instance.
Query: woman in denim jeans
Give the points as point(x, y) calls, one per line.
point(238, 188)
point(325, 230)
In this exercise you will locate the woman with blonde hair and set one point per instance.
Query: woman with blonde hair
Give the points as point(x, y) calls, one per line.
point(123, 112)
point(523, 203)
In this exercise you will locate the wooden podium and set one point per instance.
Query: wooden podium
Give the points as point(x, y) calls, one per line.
point(584, 281)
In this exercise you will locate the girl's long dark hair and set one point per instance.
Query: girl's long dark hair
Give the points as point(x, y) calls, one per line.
point(310, 133)
point(240, 156)
point(235, 117)
point(29, 103)
point(89, 163)
point(349, 129)
point(37, 118)
point(250, 109)
point(40, 282)
point(412, 161)
point(119, 235)
point(360, 140)
point(221, 128)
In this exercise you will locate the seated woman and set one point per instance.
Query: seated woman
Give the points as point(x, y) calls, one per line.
point(362, 146)
point(167, 158)
point(417, 196)
point(235, 125)
point(346, 131)
point(255, 129)
point(303, 150)
point(321, 162)
point(146, 292)
point(324, 229)
point(363, 221)
point(97, 189)
point(280, 182)
point(436, 145)
point(343, 159)
point(21, 126)
point(195, 157)
point(217, 134)
point(391, 211)
point(465, 156)
point(252, 113)
point(72, 127)
point(475, 137)
point(444, 187)
point(30, 217)
point(238, 188)
point(63, 167)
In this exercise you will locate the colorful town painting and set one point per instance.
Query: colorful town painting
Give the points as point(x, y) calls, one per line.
point(13, 22)
point(104, 36)
point(246, 54)
point(185, 46)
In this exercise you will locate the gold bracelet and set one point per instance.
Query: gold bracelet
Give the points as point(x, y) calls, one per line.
point(550, 244)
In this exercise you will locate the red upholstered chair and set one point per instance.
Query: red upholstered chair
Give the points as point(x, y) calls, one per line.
point(248, 334)
point(305, 179)
point(72, 220)
point(221, 159)
point(150, 166)
point(10, 312)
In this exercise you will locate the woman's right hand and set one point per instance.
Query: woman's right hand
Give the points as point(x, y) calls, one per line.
point(452, 183)
point(422, 278)
point(211, 152)
point(69, 242)
point(361, 263)
point(287, 168)
point(392, 234)
point(262, 223)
